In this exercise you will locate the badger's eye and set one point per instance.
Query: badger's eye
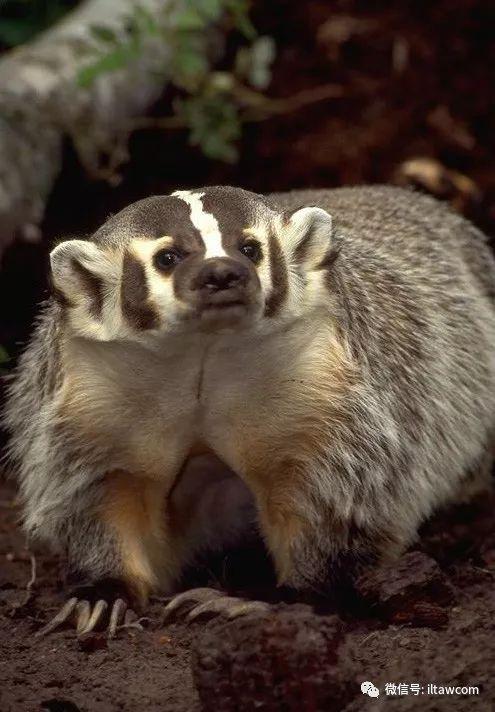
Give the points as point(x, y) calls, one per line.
point(164, 260)
point(252, 251)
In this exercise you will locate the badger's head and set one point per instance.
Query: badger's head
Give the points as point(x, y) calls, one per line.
point(213, 259)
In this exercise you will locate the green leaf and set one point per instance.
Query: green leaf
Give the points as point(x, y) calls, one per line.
point(210, 9)
point(190, 66)
point(218, 149)
point(134, 31)
point(107, 63)
point(190, 20)
point(146, 20)
point(239, 9)
point(211, 111)
point(104, 34)
point(214, 125)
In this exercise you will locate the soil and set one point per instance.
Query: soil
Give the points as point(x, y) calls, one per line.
point(416, 82)
point(148, 670)
point(428, 620)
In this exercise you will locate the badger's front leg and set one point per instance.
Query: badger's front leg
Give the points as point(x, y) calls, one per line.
point(120, 546)
point(323, 523)
point(291, 519)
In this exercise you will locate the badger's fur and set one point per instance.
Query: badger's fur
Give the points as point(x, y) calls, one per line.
point(335, 350)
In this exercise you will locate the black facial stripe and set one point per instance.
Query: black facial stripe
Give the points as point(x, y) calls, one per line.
point(183, 273)
point(233, 211)
point(280, 277)
point(134, 295)
point(93, 287)
point(187, 242)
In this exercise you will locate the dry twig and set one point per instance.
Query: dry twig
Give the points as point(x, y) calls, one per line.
point(29, 595)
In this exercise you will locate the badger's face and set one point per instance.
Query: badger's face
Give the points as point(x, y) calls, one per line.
point(210, 260)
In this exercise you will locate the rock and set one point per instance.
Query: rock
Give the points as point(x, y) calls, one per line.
point(487, 552)
point(411, 590)
point(421, 615)
point(286, 659)
point(89, 642)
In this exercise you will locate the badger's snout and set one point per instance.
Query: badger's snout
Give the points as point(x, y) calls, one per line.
point(219, 277)
point(224, 288)
point(224, 284)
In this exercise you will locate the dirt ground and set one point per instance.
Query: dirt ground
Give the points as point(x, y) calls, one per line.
point(138, 671)
point(430, 621)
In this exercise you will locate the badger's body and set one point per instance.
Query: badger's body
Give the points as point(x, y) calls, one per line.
point(345, 384)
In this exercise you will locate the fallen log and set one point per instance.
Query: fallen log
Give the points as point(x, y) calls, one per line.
point(42, 102)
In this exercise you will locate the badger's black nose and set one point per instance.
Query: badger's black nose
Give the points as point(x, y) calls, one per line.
point(220, 274)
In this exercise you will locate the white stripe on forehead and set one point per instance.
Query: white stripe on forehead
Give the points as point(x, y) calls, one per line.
point(205, 223)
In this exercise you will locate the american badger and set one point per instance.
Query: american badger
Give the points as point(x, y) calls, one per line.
point(321, 360)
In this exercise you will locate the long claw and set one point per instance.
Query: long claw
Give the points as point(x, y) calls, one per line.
point(119, 609)
point(62, 616)
point(187, 600)
point(227, 606)
point(210, 609)
point(243, 608)
point(83, 614)
point(98, 611)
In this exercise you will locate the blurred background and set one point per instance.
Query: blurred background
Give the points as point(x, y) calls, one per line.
point(103, 102)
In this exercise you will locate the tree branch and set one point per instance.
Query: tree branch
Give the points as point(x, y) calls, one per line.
point(41, 102)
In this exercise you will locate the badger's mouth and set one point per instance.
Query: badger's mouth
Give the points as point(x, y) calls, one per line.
point(224, 311)
point(223, 306)
point(223, 301)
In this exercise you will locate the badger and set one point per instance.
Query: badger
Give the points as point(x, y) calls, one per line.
point(317, 364)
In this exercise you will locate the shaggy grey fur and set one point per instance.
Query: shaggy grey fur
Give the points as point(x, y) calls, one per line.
point(412, 289)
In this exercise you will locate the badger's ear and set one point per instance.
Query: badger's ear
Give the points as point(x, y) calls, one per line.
point(308, 235)
point(81, 274)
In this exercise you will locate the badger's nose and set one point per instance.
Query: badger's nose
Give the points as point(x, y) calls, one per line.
point(220, 274)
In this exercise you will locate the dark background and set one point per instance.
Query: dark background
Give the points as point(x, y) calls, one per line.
point(416, 81)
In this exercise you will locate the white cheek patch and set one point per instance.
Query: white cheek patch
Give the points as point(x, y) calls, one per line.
point(160, 290)
point(205, 223)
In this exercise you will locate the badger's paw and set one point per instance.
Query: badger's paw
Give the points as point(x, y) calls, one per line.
point(200, 604)
point(100, 606)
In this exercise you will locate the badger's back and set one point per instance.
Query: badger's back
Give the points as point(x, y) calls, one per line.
point(412, 229)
